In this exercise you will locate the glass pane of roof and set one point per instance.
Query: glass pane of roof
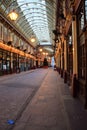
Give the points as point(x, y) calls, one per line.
point(36, 14)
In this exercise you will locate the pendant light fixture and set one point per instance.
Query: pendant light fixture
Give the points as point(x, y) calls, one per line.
point(33, 38)
point(13, 15)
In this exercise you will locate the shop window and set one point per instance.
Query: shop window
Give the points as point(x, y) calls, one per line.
point(9, 35)
point(70, 54)
point(21, 45)
point(81, 20)
point(82, 60)
point(70, 40)
point(82, 57)
point(81, 42)
point(5, 36)
point(0, 60)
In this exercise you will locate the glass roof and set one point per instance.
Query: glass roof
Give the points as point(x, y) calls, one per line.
point(36, 18)
point(36, 15)
point(40, 17)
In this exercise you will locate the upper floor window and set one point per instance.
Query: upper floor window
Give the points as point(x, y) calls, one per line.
point(81, 19)
point(1, 31)
point(70, 39)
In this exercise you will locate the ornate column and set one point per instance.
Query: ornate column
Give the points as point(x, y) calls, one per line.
point(38, 62)
point(34, 64)
point(11, 62)
point(61, 61)
point(86, 70)
point(75, 71)
point(74, 39)
point(65, 61)
point(56, 62)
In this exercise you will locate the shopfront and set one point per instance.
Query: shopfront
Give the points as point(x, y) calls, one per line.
point(5, 62)
point(82, 51)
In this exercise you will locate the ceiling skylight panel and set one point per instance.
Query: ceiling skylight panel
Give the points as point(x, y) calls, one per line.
point(36, 15)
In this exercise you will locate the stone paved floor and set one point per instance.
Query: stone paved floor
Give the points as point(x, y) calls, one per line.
point(53, 108)
point(46, 111)
point(16, 92)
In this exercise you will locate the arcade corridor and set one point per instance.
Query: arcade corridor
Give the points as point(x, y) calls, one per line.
point(33, 95)
point(40, 102)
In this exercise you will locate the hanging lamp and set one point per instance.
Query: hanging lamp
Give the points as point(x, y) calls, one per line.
point(13, 15)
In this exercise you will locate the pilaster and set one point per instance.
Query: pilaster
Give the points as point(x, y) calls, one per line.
point(74, 40)
point(75, 70)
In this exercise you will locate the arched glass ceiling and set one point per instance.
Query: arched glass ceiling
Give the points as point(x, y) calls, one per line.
point(36, 17)
point(40, 17)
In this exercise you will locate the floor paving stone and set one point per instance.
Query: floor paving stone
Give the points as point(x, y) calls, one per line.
point(51, 108)
point(46, 110)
